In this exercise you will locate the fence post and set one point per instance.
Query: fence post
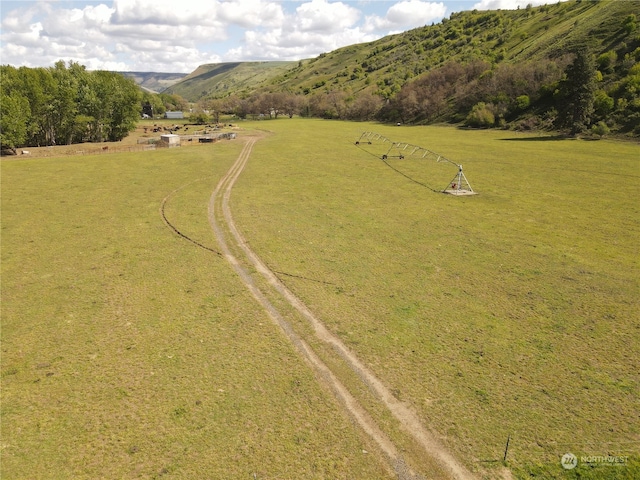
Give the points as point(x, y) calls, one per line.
point(506, 449)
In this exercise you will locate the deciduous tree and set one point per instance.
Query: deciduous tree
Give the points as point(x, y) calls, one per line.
point(13, 121)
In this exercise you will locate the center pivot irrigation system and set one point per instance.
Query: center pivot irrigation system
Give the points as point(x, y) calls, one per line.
point(458, 186)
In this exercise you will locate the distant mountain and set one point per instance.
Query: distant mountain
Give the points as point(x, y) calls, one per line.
point(155, 82)
point(220, 79)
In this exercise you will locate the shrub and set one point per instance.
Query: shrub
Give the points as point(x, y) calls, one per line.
point(480, 116)
point(199, 118)
point(607, 61)
point(522, 102)
point(600, 129)
point(629, 24)
point(603, 103)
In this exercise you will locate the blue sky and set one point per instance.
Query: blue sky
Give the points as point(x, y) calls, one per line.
point(179, 35)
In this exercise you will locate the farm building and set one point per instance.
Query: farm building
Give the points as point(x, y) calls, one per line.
point(175, 115)
point(170, 140)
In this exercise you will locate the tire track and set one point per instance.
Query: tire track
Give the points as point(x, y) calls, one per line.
point(173, 227)
point(220, 219)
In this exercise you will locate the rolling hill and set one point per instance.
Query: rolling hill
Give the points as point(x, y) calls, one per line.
point(385, 65)
point(221, 79)
point(154, 82)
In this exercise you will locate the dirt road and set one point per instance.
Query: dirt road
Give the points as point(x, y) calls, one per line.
point(236, 251)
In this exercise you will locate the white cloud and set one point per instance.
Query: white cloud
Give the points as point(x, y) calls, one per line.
point(215, 13)
point(314, 27)
point(75, 26)
point(293, 44)
point(251, 13)
point(163, 12)
point(405, 15)
point(26, 38)
point(54, 34)
point(322, 16)
point(99, 36)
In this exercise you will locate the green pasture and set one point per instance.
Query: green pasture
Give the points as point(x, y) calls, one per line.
point(130, 352)
point(510, 314)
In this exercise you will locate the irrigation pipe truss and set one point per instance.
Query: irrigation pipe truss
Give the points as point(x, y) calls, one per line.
point(401, 150)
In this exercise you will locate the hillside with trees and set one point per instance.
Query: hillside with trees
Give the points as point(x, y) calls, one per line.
point(504, 68)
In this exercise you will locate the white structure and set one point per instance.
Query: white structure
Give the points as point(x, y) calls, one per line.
point(174, 115)
point(170, 140)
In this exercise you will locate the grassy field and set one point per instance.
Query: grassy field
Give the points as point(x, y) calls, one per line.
point(510, 313)
point(128, 352)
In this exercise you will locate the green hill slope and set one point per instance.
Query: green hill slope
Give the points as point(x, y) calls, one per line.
point(383, 66)
point(221, 79)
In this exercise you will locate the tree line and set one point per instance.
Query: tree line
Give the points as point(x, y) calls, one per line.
point(68, 104)
point(574, 93)
point(65, 104)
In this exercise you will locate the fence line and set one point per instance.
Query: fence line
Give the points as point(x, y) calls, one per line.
point(112, 149)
